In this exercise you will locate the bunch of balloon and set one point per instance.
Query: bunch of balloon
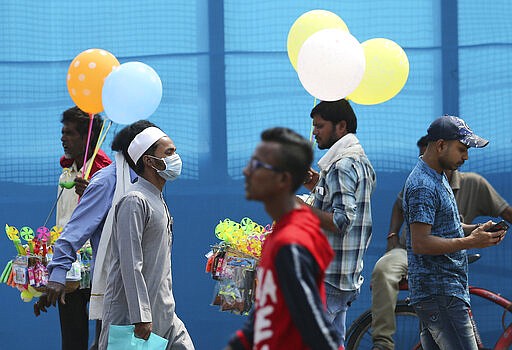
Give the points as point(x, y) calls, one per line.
point(329, 61)
point(131, 92)
point(126, 92)
point(387, 70)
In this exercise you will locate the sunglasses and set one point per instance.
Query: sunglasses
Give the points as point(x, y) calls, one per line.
point(256, 164)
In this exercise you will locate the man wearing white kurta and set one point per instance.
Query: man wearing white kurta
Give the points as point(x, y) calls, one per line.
point(139, 282)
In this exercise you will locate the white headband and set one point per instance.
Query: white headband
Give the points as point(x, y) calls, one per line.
point(143, 141)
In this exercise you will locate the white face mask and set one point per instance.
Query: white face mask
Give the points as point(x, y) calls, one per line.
point(172, 169)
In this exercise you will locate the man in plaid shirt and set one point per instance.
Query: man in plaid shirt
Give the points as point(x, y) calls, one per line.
point(342, 192)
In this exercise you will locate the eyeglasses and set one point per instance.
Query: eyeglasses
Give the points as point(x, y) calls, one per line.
point(256, 164)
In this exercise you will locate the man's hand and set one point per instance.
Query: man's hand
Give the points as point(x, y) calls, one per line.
point(40, 305)
point(482, 238)
point(143, 330)
point(54, 292)
point(80, 185)
point(311, 179)
point(393, 242)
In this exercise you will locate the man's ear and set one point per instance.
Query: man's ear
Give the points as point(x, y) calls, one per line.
point(148, 161)
point(287, 179)
point(341, 127)
point(440, 145)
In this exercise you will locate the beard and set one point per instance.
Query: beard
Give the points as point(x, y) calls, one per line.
point(328, 143)
point(449, 165)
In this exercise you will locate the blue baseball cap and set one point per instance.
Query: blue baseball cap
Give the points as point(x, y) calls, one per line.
point(449, 127)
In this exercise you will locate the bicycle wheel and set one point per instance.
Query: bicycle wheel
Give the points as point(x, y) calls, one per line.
point(407, 335)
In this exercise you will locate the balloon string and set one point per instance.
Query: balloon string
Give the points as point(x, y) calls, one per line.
point(91, 117)
point(312, 126)
point(53, 207)
point(101, 138)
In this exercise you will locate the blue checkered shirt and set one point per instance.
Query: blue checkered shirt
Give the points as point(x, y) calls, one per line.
point(345, 191)
point(429, 199)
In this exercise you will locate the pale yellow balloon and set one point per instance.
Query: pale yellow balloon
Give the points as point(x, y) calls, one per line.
point(387, 70)
point(26, 296)
point(308, 24)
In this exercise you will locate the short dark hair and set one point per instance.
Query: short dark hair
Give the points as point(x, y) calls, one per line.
point(123, 139)
point(422, 142)
point(81, 120)
point(296, 153)
point(335, 112)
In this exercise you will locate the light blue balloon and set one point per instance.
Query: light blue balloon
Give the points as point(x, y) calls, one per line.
point(131, 92)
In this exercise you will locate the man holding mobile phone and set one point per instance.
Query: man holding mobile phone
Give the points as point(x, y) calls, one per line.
point(474, 196)
point(437, 240)
point(502, 225)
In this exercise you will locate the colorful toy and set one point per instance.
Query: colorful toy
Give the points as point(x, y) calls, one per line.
point(12, 232)
point(6, 273)
point(28, 294)
point(27, 233)
point(55, 234)
point(233, 261)
point(246, 236)
point(27, 271)
point(66, 179)
point(43, 233)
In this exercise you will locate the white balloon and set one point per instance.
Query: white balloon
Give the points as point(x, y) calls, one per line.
point(331, 64)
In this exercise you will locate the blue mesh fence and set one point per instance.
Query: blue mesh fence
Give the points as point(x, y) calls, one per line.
point(39, 40)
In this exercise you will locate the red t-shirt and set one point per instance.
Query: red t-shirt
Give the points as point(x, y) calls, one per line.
point(272, 323)
point(100, 161)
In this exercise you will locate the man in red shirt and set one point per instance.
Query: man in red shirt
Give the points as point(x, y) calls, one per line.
point(289, 312)
point(73, 315)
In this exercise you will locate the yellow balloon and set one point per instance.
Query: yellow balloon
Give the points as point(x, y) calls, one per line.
point(387, 70)
point(308, 24)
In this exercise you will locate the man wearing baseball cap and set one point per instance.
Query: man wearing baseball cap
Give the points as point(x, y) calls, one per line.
point(450, 128)
point(436, 240)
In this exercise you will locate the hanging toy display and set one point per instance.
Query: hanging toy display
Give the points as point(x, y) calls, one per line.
point(233, 261)
point(27, 271)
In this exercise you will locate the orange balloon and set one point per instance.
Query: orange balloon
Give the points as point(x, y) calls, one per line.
point(86, 75)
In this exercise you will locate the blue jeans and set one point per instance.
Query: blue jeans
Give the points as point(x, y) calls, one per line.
point(338, 302)
point(445, 324)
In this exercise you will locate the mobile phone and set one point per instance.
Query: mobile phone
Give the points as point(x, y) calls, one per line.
point(502, 225)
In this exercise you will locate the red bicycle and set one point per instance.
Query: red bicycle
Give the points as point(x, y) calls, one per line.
point(407, 322)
